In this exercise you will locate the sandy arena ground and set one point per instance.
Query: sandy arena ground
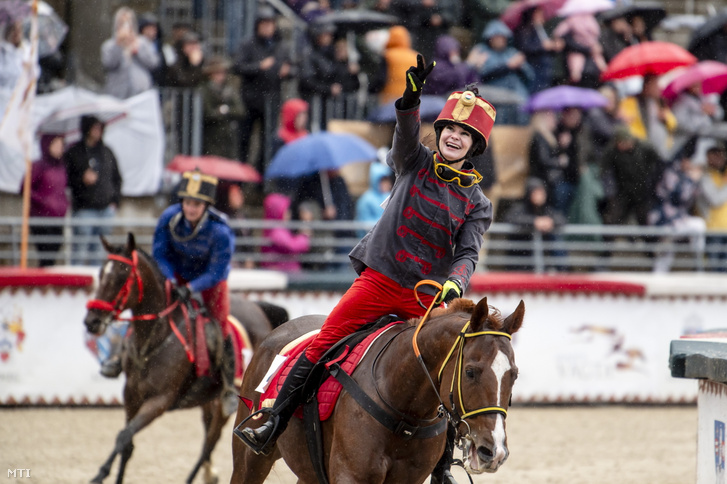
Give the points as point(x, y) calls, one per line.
point(573, 445)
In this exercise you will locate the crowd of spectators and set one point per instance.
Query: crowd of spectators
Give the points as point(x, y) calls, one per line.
point(640, 159)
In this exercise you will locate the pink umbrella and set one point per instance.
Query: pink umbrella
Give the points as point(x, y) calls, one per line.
point(712, 75)
point(512, 15)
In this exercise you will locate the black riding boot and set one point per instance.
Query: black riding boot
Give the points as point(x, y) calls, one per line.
point(228, 397)
point(262, 439)
point(441, 474)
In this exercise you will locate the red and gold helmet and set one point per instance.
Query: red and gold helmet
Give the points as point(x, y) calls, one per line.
point(473, 113)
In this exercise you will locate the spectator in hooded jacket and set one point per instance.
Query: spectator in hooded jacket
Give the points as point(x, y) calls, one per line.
point(399, 56)
point(293, 126)
point(327, 75)
point(187, 70)
point(263, 63)
point(452, 72)
point(283, 244)
point(676, 195)
point(95, 183)
point(532, 214)
point(713, 205)
point(221, 108)
point(128, 58)
point(48, 196)
point(540, 50)
point(501, 65)
point(149, 27)
point(368, 206)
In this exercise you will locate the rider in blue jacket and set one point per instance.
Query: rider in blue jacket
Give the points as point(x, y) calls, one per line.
point(193, 248)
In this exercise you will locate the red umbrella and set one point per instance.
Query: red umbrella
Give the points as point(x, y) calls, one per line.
point(712, 75)
point(222, 168)
point(654, 57)
point(513, 13)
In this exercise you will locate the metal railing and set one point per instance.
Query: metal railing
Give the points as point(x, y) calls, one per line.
point(576, 248)
point(183, 118)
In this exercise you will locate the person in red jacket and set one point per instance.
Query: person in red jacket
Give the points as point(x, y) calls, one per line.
point(432, 228)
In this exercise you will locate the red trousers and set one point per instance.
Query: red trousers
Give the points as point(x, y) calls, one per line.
point(217, 301)
point(371, 296)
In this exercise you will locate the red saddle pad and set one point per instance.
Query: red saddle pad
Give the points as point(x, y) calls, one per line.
point(330, 390)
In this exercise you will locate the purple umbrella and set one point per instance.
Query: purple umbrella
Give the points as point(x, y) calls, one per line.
point(561, 97)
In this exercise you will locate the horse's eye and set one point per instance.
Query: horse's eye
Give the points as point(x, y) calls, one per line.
point(470, 373)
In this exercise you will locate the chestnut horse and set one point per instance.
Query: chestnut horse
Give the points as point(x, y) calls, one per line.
point(159, 374)
point(466, 349)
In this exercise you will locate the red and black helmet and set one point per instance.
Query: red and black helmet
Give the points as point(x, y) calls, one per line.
point(473, 113)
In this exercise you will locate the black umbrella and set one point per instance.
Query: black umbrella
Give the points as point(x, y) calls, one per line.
point(652, 13)
point(357, 20)
point(708, 29)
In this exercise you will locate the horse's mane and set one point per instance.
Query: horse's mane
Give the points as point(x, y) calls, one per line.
point(461, 305)
point(153, 263)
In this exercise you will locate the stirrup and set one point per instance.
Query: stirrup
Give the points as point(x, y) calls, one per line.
point(266, 447)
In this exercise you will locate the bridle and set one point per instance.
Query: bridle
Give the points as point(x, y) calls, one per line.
point(454, 416)
point(118, 305)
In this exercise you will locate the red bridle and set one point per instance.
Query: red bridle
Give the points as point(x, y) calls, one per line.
point(119, 303)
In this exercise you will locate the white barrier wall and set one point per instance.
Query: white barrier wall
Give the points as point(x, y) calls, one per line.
point(45, 357)
point(580, 347)
point(576, 345)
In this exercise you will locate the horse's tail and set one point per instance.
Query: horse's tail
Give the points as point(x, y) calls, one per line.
point(277, 315)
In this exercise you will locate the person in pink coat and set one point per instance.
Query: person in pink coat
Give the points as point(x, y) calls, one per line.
point(282, 242)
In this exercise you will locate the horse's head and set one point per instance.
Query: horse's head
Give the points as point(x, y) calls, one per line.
point(482, 385)
point(118, 286)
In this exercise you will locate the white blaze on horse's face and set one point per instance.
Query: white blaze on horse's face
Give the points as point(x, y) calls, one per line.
point(108, 267)
point(500, 366)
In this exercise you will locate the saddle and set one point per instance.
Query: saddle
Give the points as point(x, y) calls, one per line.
point(203, 340)
point(320, 385)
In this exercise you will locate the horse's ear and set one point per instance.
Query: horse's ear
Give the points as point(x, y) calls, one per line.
point(513, 322)
point(131, 243)
point(106, 244)
point(479, 315)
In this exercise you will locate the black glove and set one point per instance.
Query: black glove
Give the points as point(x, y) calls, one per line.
point(182, 292)
point(415, 79)
point(450, 290)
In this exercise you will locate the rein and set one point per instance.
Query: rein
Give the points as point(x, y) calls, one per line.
point(458, 345)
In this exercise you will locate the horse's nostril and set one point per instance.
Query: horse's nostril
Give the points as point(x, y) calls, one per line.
point(484, 452)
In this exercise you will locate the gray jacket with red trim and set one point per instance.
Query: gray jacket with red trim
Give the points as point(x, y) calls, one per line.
point(430, 229)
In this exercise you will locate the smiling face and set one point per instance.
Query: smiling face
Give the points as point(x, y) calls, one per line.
point(454, 142)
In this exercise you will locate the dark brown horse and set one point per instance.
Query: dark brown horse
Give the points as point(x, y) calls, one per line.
point(469, 362)
point(159, 375)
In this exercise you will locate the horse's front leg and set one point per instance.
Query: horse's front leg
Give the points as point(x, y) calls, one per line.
point(213, 421)
point(148, 411)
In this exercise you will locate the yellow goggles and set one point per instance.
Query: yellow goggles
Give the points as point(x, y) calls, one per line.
point(448, 174)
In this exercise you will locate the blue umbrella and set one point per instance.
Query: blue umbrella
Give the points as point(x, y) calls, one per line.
point(561, 97)
point(429, 109)
point(319, 152)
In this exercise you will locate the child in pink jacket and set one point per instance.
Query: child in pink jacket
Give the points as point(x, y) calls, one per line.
point(282, 242)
